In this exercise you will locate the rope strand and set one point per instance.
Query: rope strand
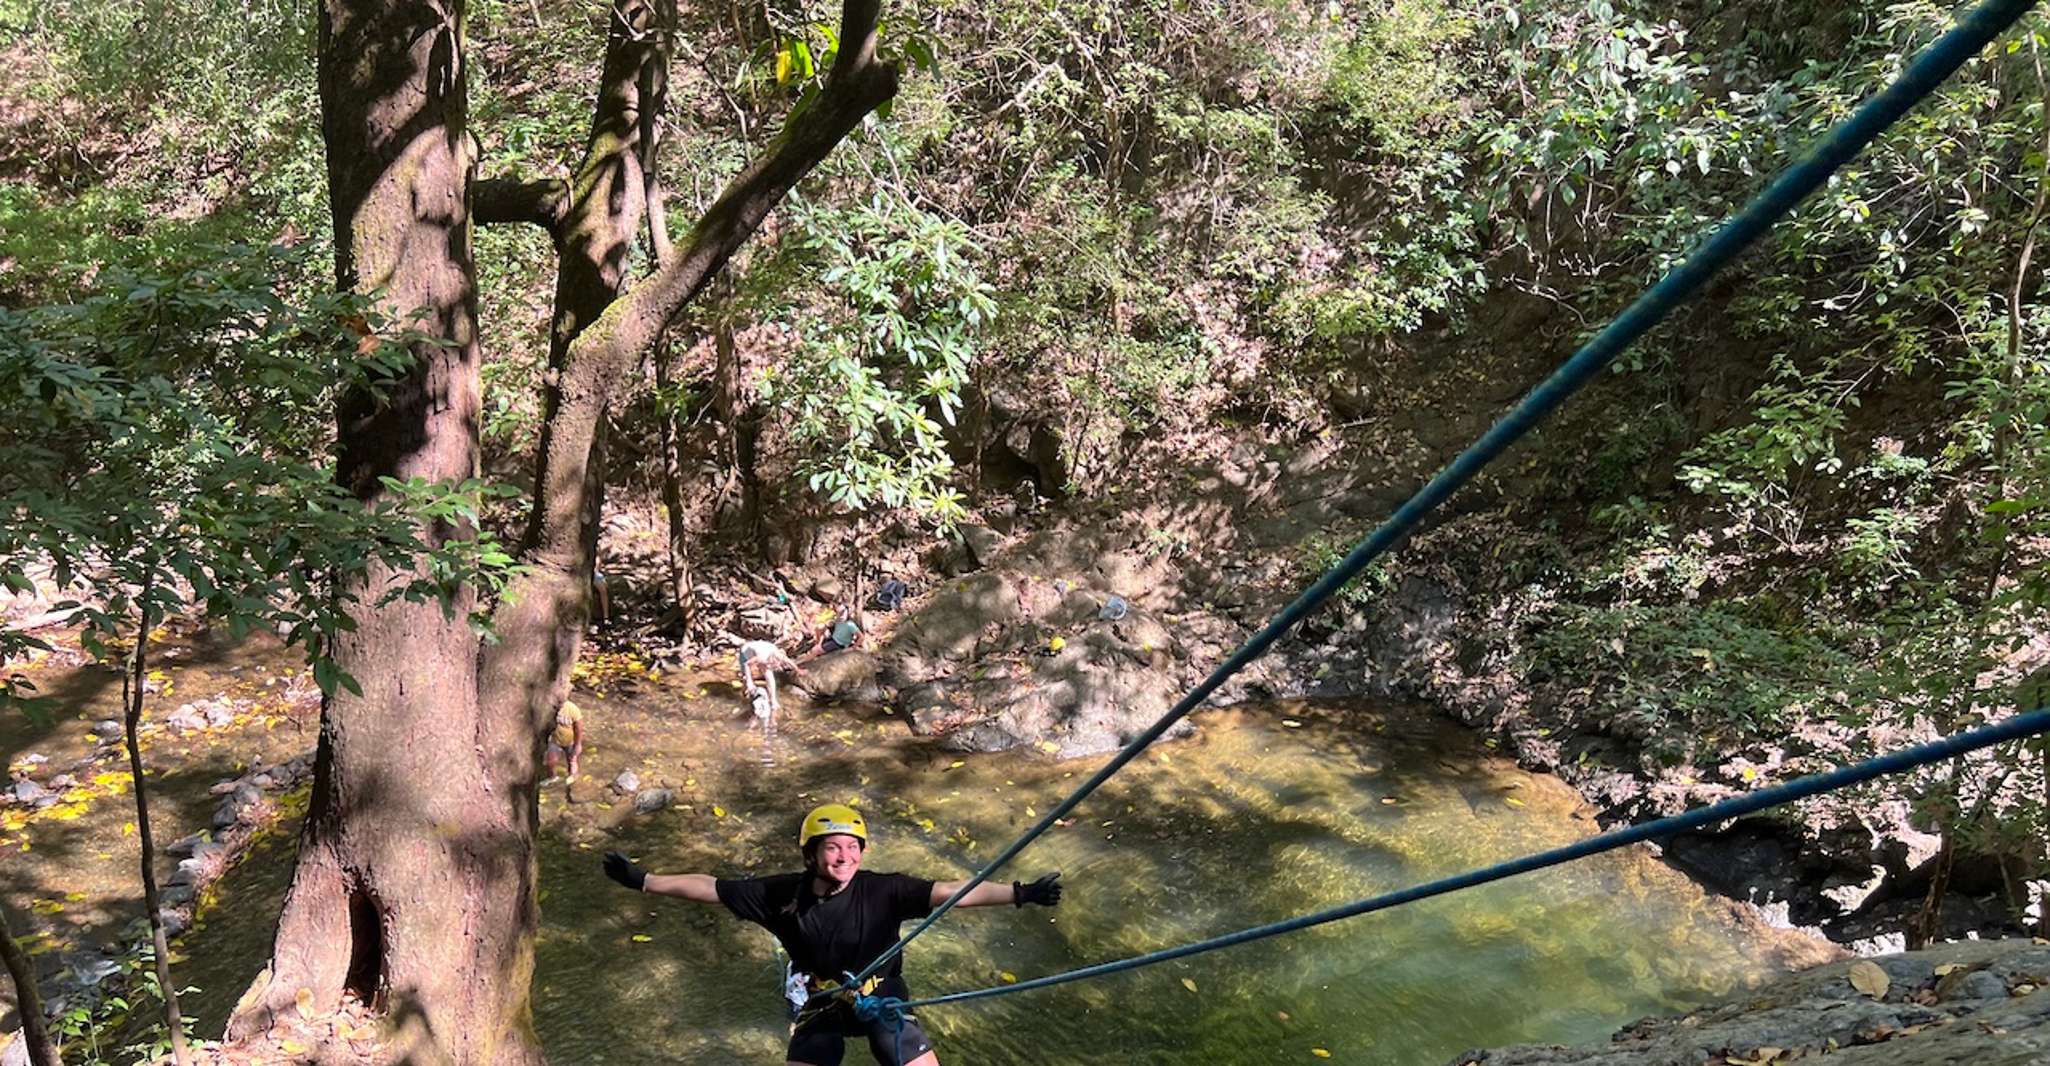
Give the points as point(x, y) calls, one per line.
point(1842, 143)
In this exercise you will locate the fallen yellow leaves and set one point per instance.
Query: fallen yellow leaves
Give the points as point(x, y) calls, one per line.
point(1764, 1056)
point(1322, 1053)
point(1869, 979)
point(1189, 983)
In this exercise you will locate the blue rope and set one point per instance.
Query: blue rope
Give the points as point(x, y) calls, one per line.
point(2021, 725)
point(1922, 77)
point(888, 1010)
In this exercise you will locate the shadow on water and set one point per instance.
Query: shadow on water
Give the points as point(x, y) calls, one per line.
point(1251, 820)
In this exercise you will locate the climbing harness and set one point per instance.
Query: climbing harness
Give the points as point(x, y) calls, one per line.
point(1973, 31)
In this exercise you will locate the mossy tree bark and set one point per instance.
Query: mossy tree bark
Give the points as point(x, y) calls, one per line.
point(414, 891)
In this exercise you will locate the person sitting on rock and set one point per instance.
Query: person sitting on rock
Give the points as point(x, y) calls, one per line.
point(566, 741)
point(844, 633)
point(833, 918)
point(761, 655)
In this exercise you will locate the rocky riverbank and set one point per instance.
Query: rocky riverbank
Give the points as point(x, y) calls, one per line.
point(1977, 1003)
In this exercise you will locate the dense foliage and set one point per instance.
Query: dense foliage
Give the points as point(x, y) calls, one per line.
point(1133, 228)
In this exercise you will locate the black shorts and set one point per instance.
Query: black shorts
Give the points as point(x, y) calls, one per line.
point(823, 1040)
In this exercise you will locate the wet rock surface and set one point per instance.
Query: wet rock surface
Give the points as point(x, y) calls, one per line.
point(1983, 1003)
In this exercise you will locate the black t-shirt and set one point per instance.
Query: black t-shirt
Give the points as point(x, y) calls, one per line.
point(837, 934)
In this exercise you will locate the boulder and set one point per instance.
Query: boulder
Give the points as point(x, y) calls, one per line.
point(845, 674)
point(982, 543)
point(648, 801)
point(627, 783)
point(176, 920)
point(26, 790)
point(205, 861)
point(237, 806)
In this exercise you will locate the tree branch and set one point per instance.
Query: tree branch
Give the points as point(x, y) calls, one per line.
point(542, 201)
point(857, 85)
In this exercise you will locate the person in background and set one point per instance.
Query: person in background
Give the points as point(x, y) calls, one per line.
point(762, 656)
point(565, 742)
point(842, 634)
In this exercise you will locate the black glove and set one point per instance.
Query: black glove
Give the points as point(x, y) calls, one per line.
point(622, 869)
point(1046, 891)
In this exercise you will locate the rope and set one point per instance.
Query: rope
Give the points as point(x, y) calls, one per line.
point(2022, 725)
point(1922, 77)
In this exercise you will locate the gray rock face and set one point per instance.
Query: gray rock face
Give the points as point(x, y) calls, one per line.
point(627, 783)
point(1989, 1007)
point(27, 790)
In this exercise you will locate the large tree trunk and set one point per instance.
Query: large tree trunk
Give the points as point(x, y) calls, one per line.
point(415, 886)
point(413, 891)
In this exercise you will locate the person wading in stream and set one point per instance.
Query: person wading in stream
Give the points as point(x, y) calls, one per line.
point(834, 918)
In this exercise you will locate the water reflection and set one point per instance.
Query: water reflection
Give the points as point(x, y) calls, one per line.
point(1251, 821)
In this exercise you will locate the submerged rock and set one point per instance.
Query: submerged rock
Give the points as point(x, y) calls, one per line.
point(627, 783)
point(648, 801)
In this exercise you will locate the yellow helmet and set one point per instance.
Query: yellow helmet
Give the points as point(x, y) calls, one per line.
point(829, 818)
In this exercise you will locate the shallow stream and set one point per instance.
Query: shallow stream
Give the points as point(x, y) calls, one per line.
point(1266, 813)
